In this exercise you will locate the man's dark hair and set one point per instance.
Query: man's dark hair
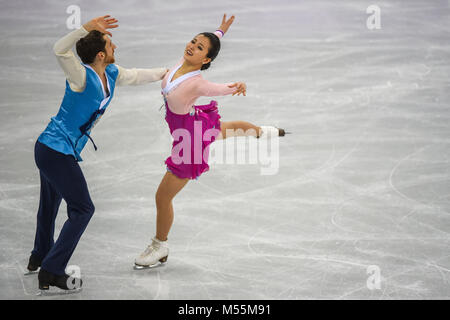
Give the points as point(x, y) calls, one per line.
point(90, 45)
point(213, 49)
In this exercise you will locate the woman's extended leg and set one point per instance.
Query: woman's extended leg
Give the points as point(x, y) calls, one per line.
point(244, 128)
point(238, 128)
point(170, 185)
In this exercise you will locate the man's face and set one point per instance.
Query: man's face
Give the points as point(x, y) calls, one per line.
point(109, 48)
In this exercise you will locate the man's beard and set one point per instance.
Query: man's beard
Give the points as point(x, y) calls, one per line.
point(109, 59)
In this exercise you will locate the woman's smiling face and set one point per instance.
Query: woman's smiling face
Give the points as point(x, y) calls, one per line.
point(197, 50)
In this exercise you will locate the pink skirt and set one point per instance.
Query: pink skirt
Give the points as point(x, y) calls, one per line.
point(193, 133)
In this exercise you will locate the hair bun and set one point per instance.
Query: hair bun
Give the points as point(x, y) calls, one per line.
point(205, 66)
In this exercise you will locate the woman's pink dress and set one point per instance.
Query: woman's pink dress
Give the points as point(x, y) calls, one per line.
point(192, 127)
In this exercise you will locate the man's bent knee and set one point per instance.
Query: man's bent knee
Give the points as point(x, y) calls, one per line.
point(83, 211)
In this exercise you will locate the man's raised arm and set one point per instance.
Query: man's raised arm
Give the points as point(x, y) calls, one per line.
point(74, 71)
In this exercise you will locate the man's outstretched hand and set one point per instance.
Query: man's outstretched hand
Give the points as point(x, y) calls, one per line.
point(101, 24)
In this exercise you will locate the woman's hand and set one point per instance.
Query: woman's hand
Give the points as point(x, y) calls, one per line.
point(240, 88)
point(226, 23)
point(101, 24)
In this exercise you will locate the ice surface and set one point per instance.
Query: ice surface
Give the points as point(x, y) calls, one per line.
point(363, 179)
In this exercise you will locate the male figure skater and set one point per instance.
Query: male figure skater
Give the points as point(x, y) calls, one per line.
point(89, 90)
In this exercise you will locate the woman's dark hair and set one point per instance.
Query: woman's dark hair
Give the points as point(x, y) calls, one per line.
point(90, 45)
point(213, 49)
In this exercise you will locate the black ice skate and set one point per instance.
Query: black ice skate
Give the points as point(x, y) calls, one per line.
point(33, 264)
point(63, 282)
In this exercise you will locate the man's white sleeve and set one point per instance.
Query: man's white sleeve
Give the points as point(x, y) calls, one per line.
point(136, 76)
point(74, 71)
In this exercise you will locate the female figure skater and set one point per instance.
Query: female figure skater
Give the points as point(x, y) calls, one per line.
point(181, 87)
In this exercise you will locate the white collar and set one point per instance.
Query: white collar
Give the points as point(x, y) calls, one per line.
point(105, 97)
point(172, 85)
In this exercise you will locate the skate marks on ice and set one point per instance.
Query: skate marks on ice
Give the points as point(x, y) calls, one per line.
point(55, 292)
point(28, 280)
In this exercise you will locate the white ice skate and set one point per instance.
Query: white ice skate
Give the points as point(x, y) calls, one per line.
point(268, 132)
point(155, 255)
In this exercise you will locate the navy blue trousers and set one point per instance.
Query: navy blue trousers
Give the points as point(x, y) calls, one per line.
point(61, 178)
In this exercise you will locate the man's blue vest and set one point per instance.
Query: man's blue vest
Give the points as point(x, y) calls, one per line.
point(70, 129)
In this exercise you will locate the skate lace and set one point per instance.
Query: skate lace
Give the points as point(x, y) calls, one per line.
point(150, 249)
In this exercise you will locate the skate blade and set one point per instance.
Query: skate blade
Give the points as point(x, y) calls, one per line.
point(31, 272)
point(57, 292)
point(161, 262)
point(153, 266)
